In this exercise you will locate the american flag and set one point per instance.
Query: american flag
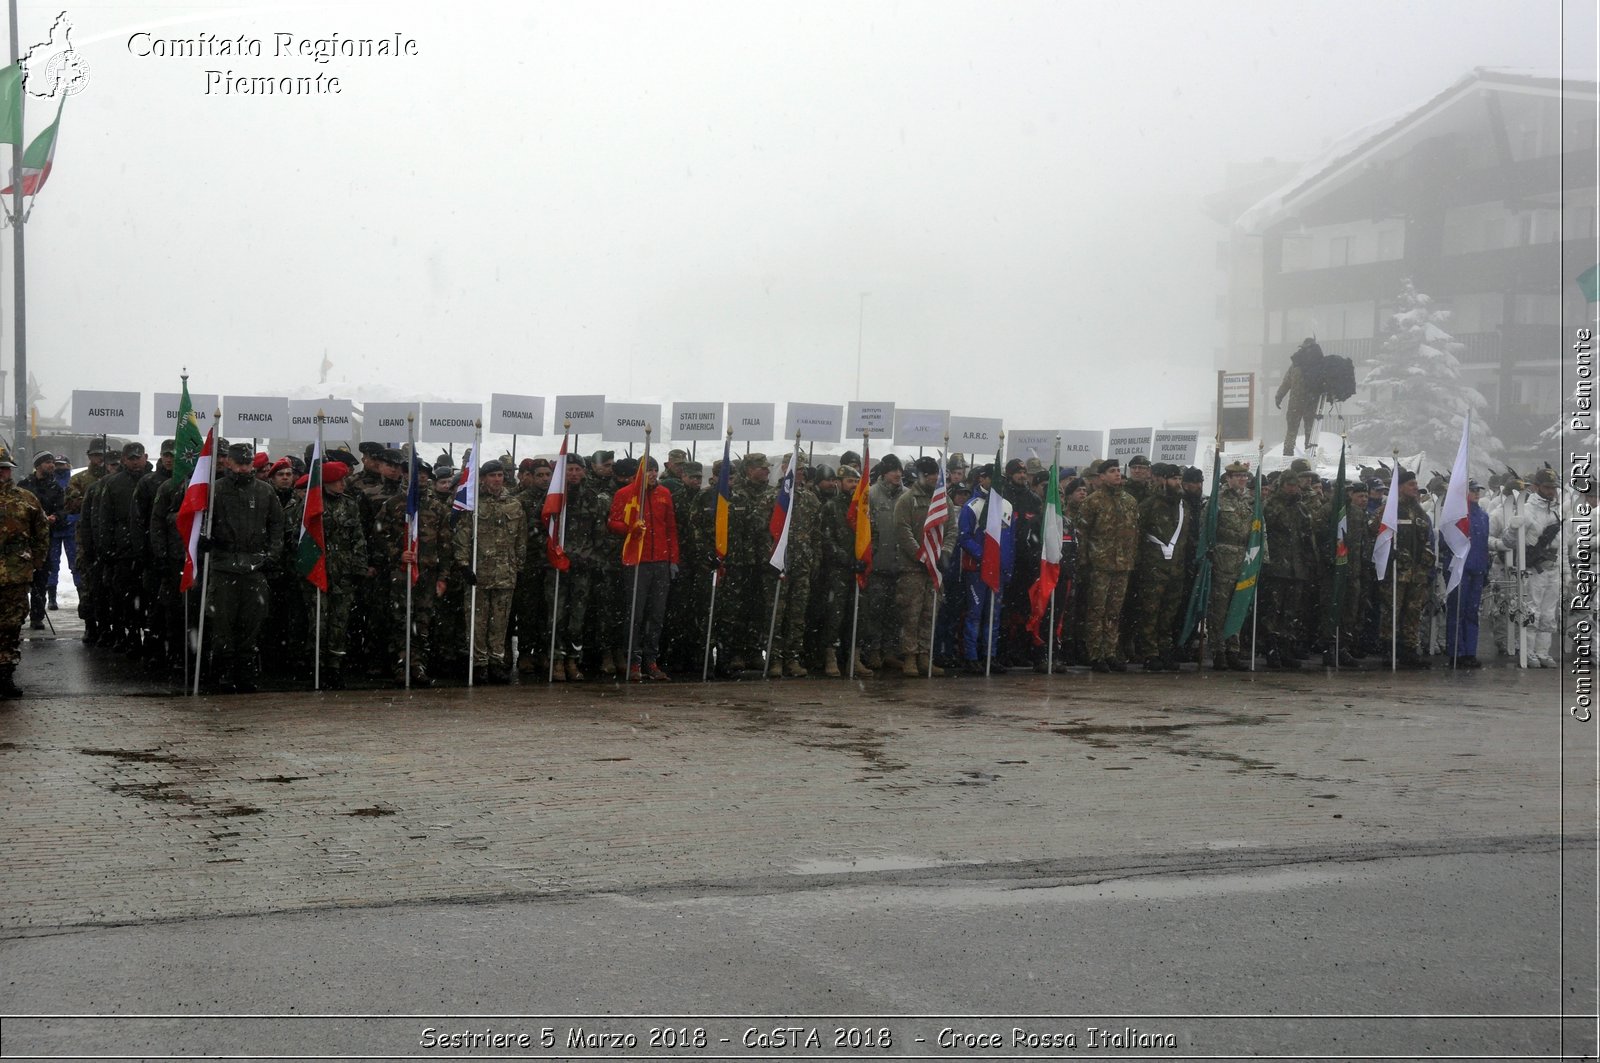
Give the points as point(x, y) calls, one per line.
point(933, 531)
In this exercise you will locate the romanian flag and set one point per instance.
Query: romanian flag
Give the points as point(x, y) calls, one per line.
point(195, 500)
point(311, 559)
point(722, 503)
point(859, 517)
point(633, 512)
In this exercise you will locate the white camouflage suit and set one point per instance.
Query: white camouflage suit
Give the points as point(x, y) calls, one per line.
point(1533, 515)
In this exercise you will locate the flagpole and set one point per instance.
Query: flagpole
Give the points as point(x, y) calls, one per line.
point(411, 568)
point(716, 573)
point(20, 313)
point(316, 644)
point(633, 610)
point(855, 610)
point(1255, 587)
point(561, 541)
point(934, 588)
point(855, 617)
point(1338, 613)
point(1394, 582)
point(777, 592)
point(205, 571)
point(1050, 641)
point(711, 616)
point(995, 478)
point(477, 491)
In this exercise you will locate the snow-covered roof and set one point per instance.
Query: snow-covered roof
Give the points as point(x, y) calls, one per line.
point(1356, 146)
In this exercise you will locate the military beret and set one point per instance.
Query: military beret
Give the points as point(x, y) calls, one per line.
point(692, 468)
point(279, 465)
point(528, 464)
point(890, 463)
point(849, 472)
point(1162, 469)
point(97, 447)
point(1073, 484)
point(1236, 467)
point(1407, 476)
point(133, 450)
point(490, 467)
point(303, 481)
point(370, 449)
point(1138, 459)
point(443, 472)
point(600, 457)
point(1107, 464)
point(576, 461)
point(756, 460)
point(260, 460)
point(334, 471)
point(1192, 475)
point(243, 453)
point(169, 446)
point(343, 455)
point(927, 466)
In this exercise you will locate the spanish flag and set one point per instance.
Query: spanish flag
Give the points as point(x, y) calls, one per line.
point(633, 513)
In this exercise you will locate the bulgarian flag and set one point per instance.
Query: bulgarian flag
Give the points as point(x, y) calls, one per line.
point(195, 501)
point(1050, 559)
point(994, 525)
point(39, 158)
point(311, 559)
point(859, 518)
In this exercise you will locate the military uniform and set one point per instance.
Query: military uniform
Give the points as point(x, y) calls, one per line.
point(836, 582)
point(1289, 565)
point(76, 515)
point(1109, 525)
point(119, 542)
point(433, 550)
point(501, 535)
point(916, 602)
point(1164, 534)
point(245, 540)
point(744, 608)
point(798, 583)
point(1235, 514)
point(346, 561)
point(24, 549)
point(1411, 559)
point(879, 636)
point(1302, 401)
point(52, 500)
point(586, 539)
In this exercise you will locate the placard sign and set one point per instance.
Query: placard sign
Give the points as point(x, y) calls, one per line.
point(1025, 443)
point(255, 417)
point(1236, 405)
point(753, 422)
point(167, 402)
point(449, 422)
point(584, 413)
point(876, 417)
point(920, 428)
point(969, 435)
point(1127, 442)
point(385, 422)
point(1079, 447)
point(336, 419)
point(99, 412)
point(626, 421)
point(1175, 447)
point(696, 420)
point(816, 423)
point(516, 415)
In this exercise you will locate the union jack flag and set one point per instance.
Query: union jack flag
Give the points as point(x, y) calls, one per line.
point(932, 544)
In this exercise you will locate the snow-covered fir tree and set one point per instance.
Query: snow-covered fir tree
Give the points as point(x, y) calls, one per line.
point(1418, 399)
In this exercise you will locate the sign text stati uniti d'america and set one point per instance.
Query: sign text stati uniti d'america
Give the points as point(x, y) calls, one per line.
point(284, 46)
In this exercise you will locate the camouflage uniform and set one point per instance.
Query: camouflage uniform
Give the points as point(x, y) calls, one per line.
point(1412, 557)
point(120, 545)
point(802, 558)
point(586, 539)
point(502, 545)
point(834, 587)
point(744, 608)
point(246, 538)
point(916, 602)
point(685, 637)
point(346, 563)
point(1357, 548)
point(1235, 509)
point(94, 562)
point(76, 510)
point(1289, 564)
point(166, 565)
point(1302, 406)
point(1160, 578)
point(528, 615)
point(433, 551)
point(1109, 524)
point(24, 550)
point(879, 637)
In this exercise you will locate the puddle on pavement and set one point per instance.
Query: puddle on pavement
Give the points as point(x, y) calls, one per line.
point(856, 865)
point(369, 812)
point(134, 756)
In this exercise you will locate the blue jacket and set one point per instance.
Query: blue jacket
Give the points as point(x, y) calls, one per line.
point(973, 517)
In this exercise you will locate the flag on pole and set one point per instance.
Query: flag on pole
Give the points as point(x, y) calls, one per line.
point(1254, 554)
point(11, 104)
point(1200, 596)
point(633, 513)
point(1050, 530)
point(186, 441)
point(466, 499)
point(1341, 548)
point(859, 518)
point(994, 524)
point(195, 500)
point(38, 160)
point(1387, 525)
point(722, 504)
point(932, 543)
point(1455, 525)
point(413, 517)
point(311, 551)
point(555, 501)
point(782, 514)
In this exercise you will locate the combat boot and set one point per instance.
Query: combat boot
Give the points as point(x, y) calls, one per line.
point(525, 664)
point(891, 662)
point(794, 669)
point(53, 606)
point(573, 675)
point(558, 674)
point(774, 668)
point(922, 667)
point(8, 682)
point(1237, 663)
point(608, 663)
point(908, 668)
point(420, 677)
point(861, 667)
point(830, 664)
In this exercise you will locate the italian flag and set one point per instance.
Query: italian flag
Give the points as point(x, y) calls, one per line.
point(311, 552)
point(1050, 560)
point(195, 500)
point(38, 159)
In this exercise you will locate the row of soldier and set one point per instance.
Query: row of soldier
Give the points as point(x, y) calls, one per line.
point(1128, 565)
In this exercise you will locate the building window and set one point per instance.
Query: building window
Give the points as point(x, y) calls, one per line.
point(1538, 309)
point(1339, 251)
point(1296, 253)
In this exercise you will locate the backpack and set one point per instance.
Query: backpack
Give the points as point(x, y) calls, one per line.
point(1337, 378)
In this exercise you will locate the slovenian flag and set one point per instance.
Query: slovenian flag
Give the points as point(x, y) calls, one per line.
point(195, 500)
point(311, 552)
point(781, 515)
point(555, 503)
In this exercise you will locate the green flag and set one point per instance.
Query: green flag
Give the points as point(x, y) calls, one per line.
point(187, 440)
point(11, 104)
point(1200, 597)
point(1340, 552)
point(1244, 590)
point(1589, 281)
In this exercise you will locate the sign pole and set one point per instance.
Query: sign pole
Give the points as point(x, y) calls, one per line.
point(411, 566)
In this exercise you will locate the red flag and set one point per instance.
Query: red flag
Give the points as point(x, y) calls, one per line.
point(993, 528)
point(555, 502)
point(633, 513)
point(195, 500)
point(311, 555)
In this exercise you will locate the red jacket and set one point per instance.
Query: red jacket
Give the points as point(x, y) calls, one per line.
point(660, 522)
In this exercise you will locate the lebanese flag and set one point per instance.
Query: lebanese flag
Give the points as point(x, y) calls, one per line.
point(859, 518)
point(311, 552)
point(994, 526)
point(1387, 524)
point(195, 500)
point(39, 158)
point(1050, 560)
point(555, 501)
point(1455, 525)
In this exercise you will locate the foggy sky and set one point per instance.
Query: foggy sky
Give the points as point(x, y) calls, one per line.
point(686, 201)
